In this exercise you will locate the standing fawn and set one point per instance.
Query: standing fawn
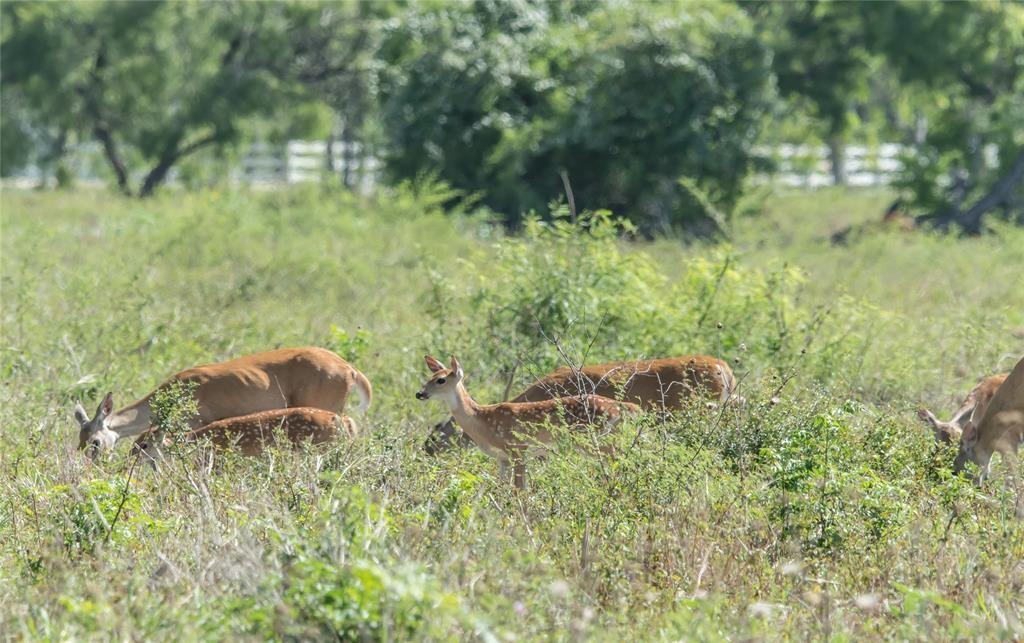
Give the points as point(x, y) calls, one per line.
point(252, 433)
point(665, 384)
point(977, 400)
point(287, 377)
point(507, 431)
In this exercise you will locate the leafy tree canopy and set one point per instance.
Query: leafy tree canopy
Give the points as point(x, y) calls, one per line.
point(153, 81)
point(501, 99)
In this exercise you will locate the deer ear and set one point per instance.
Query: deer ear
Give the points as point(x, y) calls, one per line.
point(926, 416)
point(456, 367)
point(945, 432)
point(433, 364)
point(106, 406)
point(80, 414)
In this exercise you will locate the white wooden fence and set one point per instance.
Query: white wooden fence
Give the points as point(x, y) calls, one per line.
point(304, 161)
point(270, 165)
point(809, 166)
point(262, 165)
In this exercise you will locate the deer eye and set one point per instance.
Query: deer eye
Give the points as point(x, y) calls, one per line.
point(440, 380)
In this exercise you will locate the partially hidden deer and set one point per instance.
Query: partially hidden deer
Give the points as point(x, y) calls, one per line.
point(509, 430)
point(997, 428)
point(251, 434)
point(665, 384)
point(977, 400)
point(288, 377)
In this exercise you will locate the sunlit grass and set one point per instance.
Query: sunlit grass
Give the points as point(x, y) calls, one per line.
point(827, 511)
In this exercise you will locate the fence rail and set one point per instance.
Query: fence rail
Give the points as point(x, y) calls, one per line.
point(267, 164)
point(811, 166)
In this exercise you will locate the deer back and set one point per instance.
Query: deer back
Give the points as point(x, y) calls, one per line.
point(660, 383)
point(1001, 426)
point(252, 433)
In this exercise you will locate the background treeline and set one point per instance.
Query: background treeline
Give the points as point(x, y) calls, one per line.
point(654, 110)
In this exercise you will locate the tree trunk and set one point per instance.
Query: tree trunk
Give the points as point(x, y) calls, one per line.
point(156, 176)
point(347, 155)
point(329, 154)
point(171, 156)
point(970, 219)
point(110, 151)
point(837, 158)
point(91, 92)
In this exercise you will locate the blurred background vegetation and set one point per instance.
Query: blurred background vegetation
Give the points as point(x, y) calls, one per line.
point(660, 112)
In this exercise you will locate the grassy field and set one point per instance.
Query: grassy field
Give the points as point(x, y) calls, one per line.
point(821, 509)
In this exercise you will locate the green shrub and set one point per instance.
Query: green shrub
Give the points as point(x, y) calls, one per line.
point(103, 510)
point(174, 406)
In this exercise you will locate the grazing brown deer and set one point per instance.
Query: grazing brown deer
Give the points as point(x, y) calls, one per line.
point(978, 399)
point(507, 431)
point(287, 377)
point(665, 384)
point(896, 217)
point(997, 428)
point(252, 433)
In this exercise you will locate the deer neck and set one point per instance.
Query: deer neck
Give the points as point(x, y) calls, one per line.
point(464, 409)
point(134, 419)
point(466, 412)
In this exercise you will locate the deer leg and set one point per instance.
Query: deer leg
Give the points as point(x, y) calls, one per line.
point(519, 475)
point(984, 461)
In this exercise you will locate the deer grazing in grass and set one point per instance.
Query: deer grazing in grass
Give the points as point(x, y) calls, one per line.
point(976, 401)
point(666, 384)
point(509, 430)
point(252, 433)
point(997, 428)
point(278, 379)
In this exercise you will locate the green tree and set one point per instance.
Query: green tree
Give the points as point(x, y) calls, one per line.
point(503, 99)
point(953, 66)
point(337, 49)
point(156, 82)
point(820, 63)
point(967, 60)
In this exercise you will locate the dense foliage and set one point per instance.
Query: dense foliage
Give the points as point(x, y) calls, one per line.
point(820, 509)
point(157, 82)
point(623, 100)
point(969, 60)
point(651, 110)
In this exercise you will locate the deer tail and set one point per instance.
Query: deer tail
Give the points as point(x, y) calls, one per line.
point(363, 388)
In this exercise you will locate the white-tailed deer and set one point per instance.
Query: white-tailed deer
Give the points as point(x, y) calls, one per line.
point(666, 384)
point(287, 377)
point(998, 428)
point(978, 399)
point(507, 431)
point(252, 433)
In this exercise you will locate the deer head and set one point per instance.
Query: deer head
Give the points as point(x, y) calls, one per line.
point(443, 383)
point(93, 435)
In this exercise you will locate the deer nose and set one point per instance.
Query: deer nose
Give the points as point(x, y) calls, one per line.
point(420, 395)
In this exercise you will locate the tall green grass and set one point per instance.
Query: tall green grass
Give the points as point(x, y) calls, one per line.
point(820, 509)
